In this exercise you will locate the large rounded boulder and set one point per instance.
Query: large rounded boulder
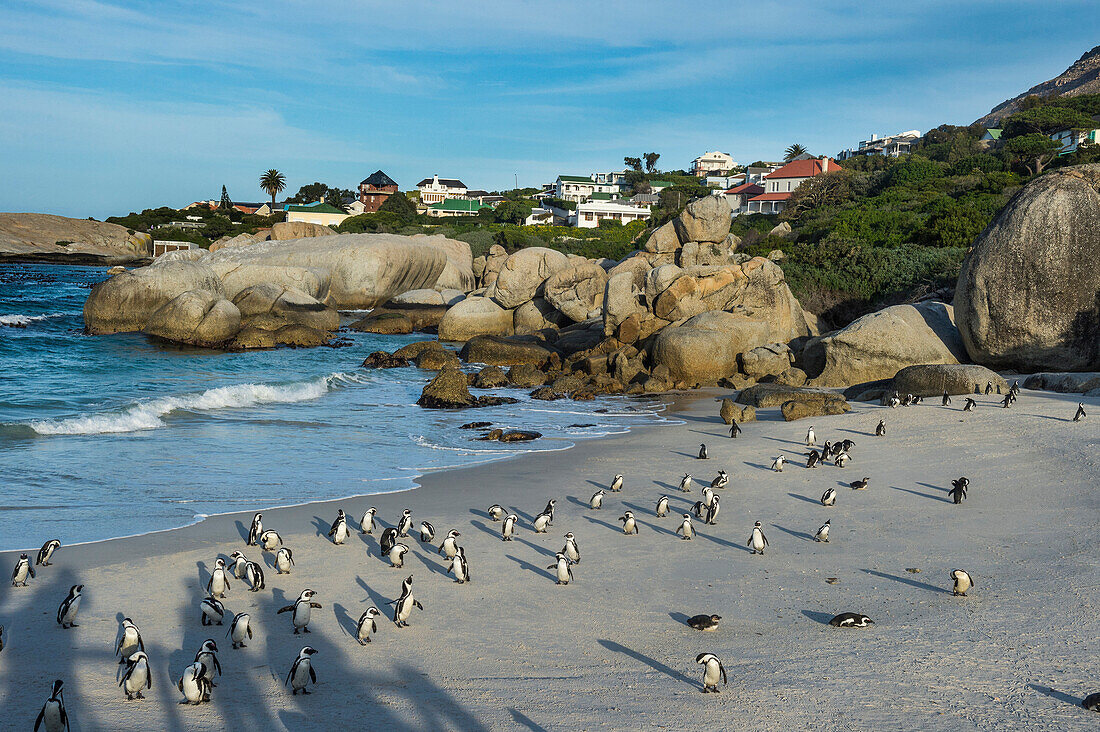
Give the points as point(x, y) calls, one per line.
point(704, 348)
point(269, 307)
point(522, 275)
point(124, 303)
point(197, 318)
point(1028, 295)
point(475, 316)
point(925, 380)
point(577, 291)
point(704, 220)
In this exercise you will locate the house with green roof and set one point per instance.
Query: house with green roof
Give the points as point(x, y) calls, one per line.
point(315, 213)
point(580, 188)
point(456, 207)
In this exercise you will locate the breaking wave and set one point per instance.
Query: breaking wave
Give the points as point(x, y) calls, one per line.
point(22, 321)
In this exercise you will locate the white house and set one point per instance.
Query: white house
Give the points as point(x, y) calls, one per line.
point(724, 181)
point(580, 188)
point(755, 174)
point(590, 214)
point(539, 216)
point(1070, 139)
point(161, 246)
point(712, 163)
point(436, 189)
point(315, 213)
point(891, 146)
point(781, 183)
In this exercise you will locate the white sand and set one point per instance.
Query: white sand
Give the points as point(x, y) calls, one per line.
point(513, 650)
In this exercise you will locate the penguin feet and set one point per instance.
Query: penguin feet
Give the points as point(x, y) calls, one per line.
point(296, 631)
point(306, 692)
point(306, 630)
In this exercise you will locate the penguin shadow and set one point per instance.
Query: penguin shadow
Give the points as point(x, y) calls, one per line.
point(639, 511)
point(483, 527)
point(616, 529)
point(204, 575)
point(805, 498)
point(680, 618)
point(348, 622)
point(435, 568)
point(268, 559)
point(528, 517)
point(533, 568)
point(536, 547)
point(651, 662)
point(720, 542)
point(522, 720)
point(1055, 694)
point(322, 526)
point(667, 486)
point(577, 502)
point(479, 513)
point(597, 484)
point(374, 598)
point(760, 466)
point(818, 617)
point(796, 443)
point(1055, 419)
point(796, 534)
point(242, 530)
point(692, 455)
point(922, 495)
point(910, 582)
point(371, 543)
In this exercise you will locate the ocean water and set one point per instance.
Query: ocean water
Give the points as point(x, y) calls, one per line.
point(106, 436)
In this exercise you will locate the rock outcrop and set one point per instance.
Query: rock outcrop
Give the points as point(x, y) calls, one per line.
point(288, 230)
point(49, 238)
point(197, 318)
point(577, 291)
point(932, 380)
point(270, 307)
point(1028, 295)
point(475, 316)
point(125, 302)
point(522, 275)
point(1085, 382)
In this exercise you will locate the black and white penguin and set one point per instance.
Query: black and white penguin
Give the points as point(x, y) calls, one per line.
point(22, 571)
point(1080, 413)
point(193, 684)
point(713, 672)
point(858, 485)
point(851, 620)
point(541, 523)
point(256, 529)
point(427, 532)
point(66, 611)
point(721, 480)
point(129, 641)
point(811, 438)
point(812, 459)
point(496, 512)
point(708, 494)
point(1092, 702)
point(367, 625)
point(449, 547)
point(284, 560)
point(894, 401)
point(1, 637)
point(828, 498)
point(712, 512)
point(564, 571)
point(757, 540)
point(301, 672)
point(970, 405)
point(366, 524)
point(704, 622)
point(254, 575)
point(963, 582)
point(53, 717)
point(270, 539)
point(549, 510)
point(403, 605)
point(459, 567)
point(397, 555)
point(387, 540)
point(508, 528)
point(212, 611)
point(702, 452)
point(662, 507)
point(777, 464)
point(686, 530)
point(958, 489)
point(240, 630)
point(404, 523)
point(630, 526)
point(698, 509)
point(207, 655)
point(1007, 401)
point(946, 401)
point(338, 532)
point(735, 429)
point(989, 387)
point(302, 610)
point(137, 676)
point(218, 584)
point(822, 534)
point(846, 446)
point(46, 552)
point(571, 549)
point(596, 501)
point(237, 562)
point(841, 459)
point(616, 484)
point(685, 483)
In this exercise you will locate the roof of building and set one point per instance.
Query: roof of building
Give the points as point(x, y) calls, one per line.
point(477, 194)
point(313, 208)
point(458, 204)
point(601, 196)
point(750, 189)
point(772, 196)
point(576, 178)
point(802, 169)
point(378, 179)
point(646, 198)
point(449, 182)
point(660, 184)
point(994, 132)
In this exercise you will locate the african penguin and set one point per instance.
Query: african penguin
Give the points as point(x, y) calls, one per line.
point(284, 560)
point(256, 529)
point(708, 494)
point(270, 539)
point(53, 717)
point(218, 584)
point(404, 523)
point(721, 480)
point(697, 509)
point(858, 485)
point(366, 524)
point(813, 460)
point(880, 431)
point(459, 567)
point(946, 401)
point(387, 540)
point(828, 498)
point(735, 430)
point(301, 672)
point(564, 571)
point(616, 484)
point(712, 511)
point(541, 522)
point(207, 656)
point(630, 526)
point(686, 530)
point(301, 609)
point(958, 489)
point(23, 569)
point(66, 611)
point(713, 672)
point(970, 404)
point(240, 630)
point(989, 387)
point(254, 574)
point(367, 625)
point(193, 684)
point(449, 547)
point(777, 464)
point(596, 501)
point(496, 512)
point(427, 532)
point(212, 611)
point(851, 620)
point(571, 549)
point(704, 622)
point(129, 641)
point(1092, 702)
point(757, 540)
point(963, 582)
point(238, 561)
point(823, 533)
point(397, 555)
point(549, 510)
point(841, 459)
point(662, 506)
point(46, 552)
point(702, 452)
point(403, 605)
point(508, 527)
point(1007, 402)
point(137, 676)
point(339, 530)
point(811, 438)
point(1080, 413)
point(685, 483)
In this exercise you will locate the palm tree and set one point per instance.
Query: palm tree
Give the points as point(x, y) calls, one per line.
point(273, 182)
point(793, 152)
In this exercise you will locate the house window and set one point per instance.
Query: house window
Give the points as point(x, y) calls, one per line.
point(587, 216)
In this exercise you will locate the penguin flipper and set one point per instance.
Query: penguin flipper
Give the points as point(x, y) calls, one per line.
point(312, 674)
point(315, 604)
point(287, 609)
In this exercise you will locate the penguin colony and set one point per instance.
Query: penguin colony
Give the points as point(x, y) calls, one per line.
point(197, 680)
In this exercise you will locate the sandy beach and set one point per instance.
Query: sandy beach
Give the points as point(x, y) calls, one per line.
point(611, 651)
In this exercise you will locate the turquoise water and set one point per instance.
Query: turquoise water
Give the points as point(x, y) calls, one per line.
point(105, 436)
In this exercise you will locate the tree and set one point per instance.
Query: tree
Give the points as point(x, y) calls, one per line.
point(226, 203)
point(828, 189)
point(512, 212)
point(1045, 120)
point(1034, 151)
point(335, 198)
point(310, 193)
point(273, 183)
point(397, 203)
point(793, 152)
point(633, 163)
point(651, 161)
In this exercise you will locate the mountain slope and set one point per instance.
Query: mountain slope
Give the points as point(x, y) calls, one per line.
point(1083, 77)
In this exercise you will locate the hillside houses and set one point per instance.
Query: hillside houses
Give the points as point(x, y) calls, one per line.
point(781, 183)
point(436, 189)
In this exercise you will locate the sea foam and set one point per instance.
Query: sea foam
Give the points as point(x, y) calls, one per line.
point(22, 321)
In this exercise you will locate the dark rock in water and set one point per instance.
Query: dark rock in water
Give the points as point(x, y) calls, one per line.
point(433, 360)
point(340, 343)
point(413, 350)
point(601, 410)
point(383, 360)
point(506, 351)
point(584, 394)
point(301, 336)
point(476, 425)
point(384, 323)
point(526, 375)
point(447, 390)
point(579, 426)
point(492, 436)
point(490, 377)
point(494, 401)
point(393, 316)
point(519, 436)
point(546, 394)
point(567, 384)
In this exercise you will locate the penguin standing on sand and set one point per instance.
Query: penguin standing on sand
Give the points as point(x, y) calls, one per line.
point(708, 494)
point(811, 438)
point(53, 716)
point(777, 464)
point(270, 539)
point(958, 490)
point(1080, 413)
point(812, 459)
point(686, 530)
point(284, 560)
point(946, 401)
point(212, 611)
point(713, 671)
point(459, 567)
point(240, 630)
point(962, 582)
point(218, 584)
point(541, 522)
point(129, 641)
point(662, 506)
point(989, 387)
point(630, 526)
point(596, 501)
point(397, 555)
point(616, 484)
point(22, 571)
point(712, 512)
point(970, 405)
point(238, 562)
point(564, 571)
point(449, 547)
point(193, 684)
point(301, 672)
point(571, 549)
point(339, 530)
point(387, 540)
point(367, 625)
point(302, 610)
point(256, 529)
point(403, 606)
point(757, 541)
point(735, 430)
point(841, 459)
point(702, 452)
point(137, 676)
point(46, 552)
point(721, 480)
point(207, 655)
point(685, 483)
point(496, 512)
point(66, 611)
point(427, 532)
point(697, 509)
point(880, 431)
point(254, 575)
point(366, 524)
point(508, 528)
point(822, 534)
point(1092, 702)
point(1007, 401)
point(828, 498)
point(404, 523)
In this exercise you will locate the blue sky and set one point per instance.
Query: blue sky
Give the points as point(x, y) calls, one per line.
point(108, 107)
